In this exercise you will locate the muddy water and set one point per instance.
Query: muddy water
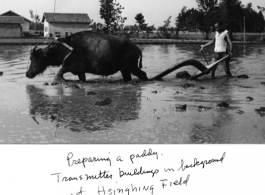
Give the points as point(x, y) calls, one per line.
point(139, 112)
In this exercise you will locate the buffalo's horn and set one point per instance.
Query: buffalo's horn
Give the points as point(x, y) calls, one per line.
point(50, 43)
point(34, 48)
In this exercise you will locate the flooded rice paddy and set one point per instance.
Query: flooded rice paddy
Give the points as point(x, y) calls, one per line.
point(35, 111)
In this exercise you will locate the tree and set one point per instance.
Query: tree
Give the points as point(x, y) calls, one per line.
point(231, 13)
point(254, 21)
point(165, 29)
point(131, 29)
point(261, 8)
point(93, 26)
point(260, 22)
point(248, 13)
point(208, 15)
point(149, 30)
point(111, 11)
point(180, 19)
point(188, 20)
point(35, 18)
point(141, 22)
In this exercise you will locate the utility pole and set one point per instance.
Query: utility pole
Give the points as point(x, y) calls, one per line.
point(35, 20)
point(54, 5)
point(244, 29)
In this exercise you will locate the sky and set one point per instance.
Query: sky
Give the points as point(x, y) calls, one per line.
point(154, 11)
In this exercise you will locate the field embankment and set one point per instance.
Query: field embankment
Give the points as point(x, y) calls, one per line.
point(154, 38)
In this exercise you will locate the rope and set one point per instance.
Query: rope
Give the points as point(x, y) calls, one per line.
point(71, 49)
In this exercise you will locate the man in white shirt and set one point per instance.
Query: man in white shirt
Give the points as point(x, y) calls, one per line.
point(221, 40)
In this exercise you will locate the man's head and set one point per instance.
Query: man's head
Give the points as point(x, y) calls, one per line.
point(219, 26)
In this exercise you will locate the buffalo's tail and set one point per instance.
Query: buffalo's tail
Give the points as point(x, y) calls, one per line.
point(141, 56)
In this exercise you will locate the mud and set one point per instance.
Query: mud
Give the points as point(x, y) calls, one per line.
point(187, 85)
point(222, 105)
point(249, 99)
point(104, 102)
point(240, 112)
point(181, 107)
point(183, 74)
point(204, 108)
point(261, 111)
point(243, 76)
point(91, 93)
point(41, 111)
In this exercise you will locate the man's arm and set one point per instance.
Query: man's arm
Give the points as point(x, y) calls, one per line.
point(207, 44)
point(230, 44)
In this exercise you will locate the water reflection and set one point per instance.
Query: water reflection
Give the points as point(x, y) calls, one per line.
point(75, 109)
point(212, 130)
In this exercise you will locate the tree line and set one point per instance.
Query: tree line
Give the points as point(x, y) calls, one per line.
point(111, 12)
point(235, 16)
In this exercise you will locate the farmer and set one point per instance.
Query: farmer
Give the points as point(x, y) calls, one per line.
point(221, 40)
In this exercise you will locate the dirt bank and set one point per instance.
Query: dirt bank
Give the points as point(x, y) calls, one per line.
point(24, 41)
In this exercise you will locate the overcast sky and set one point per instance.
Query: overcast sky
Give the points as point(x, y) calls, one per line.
point(154, 11)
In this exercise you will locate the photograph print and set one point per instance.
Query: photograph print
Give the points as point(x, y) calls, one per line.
point(132, 72)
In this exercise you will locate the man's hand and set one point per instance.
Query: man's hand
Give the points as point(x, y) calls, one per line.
point(202, 46)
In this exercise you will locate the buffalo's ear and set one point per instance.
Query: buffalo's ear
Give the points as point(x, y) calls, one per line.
point(34, 48)
point(38, 53)
point(33, 52)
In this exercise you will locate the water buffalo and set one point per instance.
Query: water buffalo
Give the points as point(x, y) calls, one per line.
point(88, 52)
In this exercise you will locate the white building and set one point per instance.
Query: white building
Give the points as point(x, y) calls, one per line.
point(64, 24)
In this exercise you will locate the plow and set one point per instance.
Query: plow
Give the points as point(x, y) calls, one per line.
point(203, 70)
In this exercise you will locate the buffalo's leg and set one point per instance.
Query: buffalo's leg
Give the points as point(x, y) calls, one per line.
point(126, 75)
point(134, 69)
point(59, 75)
point(140, 74)
point(82, 77)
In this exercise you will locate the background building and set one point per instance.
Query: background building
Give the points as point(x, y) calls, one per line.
point(24, 25)
point(64, 24)
point(10, 26)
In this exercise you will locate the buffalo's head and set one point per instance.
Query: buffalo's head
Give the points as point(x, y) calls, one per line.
point(41, 58)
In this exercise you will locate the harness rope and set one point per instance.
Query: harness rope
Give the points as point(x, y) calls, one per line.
point(71, 49)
